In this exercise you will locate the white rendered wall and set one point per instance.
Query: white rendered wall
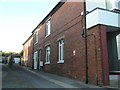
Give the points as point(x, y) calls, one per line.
point(104, 17)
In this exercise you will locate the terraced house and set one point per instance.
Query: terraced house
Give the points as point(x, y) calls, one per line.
point(78, 40)
point(28, 52)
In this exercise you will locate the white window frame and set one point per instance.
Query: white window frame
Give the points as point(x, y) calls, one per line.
point(28, 58)
point(35, 58)
point(36, 37)
point(61, 51)
point(48, 28)
point(36, 55)
point(29, 43)
point(118, 45)
point(47, 56)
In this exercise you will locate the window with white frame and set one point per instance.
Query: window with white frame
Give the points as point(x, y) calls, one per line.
point(35, 60)
point(36, 55)
point(29, 43)
point(47, 33)
point(47, 55)
point(61, 51)
point(28, 58)
point(36, 37)
point(118, 45)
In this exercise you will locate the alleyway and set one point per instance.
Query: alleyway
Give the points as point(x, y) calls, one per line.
point(16, 77)
point(19, 77)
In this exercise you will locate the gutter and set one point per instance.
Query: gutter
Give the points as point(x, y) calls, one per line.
point(50, 14)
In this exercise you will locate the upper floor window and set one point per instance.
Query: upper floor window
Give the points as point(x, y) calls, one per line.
point(92, 4)
point(105, 4)
point(47, 55)
point(29, 43)
point(61, 51)
point(47, 33)
point(28, 58)
point(118, 45)
point(36, 37)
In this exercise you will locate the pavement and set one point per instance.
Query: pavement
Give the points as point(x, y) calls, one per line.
point(62, 81)
point(45, 80)
point(114, 80)
point(16, 77)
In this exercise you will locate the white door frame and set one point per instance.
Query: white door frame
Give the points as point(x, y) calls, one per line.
point(35, 59)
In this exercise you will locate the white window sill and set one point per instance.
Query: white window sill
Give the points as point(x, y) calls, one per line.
point(47, 62)
point(47, 36)
point(60, 61)
point(35, 43)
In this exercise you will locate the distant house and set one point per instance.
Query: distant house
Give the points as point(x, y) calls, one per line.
point(15, 58)
point(60, 41)
point(27, 52)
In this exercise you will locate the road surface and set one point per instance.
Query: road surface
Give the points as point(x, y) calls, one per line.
point(19, 77)
point(16, 77)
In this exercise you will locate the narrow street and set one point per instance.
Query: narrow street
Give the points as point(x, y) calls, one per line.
point(16, 77)
point(19, 77)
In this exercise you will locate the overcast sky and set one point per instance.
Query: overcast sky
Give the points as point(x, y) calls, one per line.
point(18, 18)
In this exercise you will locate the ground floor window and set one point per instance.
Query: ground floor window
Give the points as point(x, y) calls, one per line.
point(61, 51)
point(35, 55)
point(35, 59)
point(28, 58)
point(47, 55)
point(118, 45)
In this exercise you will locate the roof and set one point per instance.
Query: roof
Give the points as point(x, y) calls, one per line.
point(50, 14)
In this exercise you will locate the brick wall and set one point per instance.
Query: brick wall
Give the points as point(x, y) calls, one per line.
point(94, 56)
point(67, 22)
point(25, 53)
point(30, 52)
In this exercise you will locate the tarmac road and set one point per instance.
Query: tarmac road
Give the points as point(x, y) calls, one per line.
point(16, 77)
point(21, 78)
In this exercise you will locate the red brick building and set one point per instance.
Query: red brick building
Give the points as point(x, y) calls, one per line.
point(28, 52)
point(58, 42)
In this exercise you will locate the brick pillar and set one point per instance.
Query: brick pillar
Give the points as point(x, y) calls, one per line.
point(105, 64)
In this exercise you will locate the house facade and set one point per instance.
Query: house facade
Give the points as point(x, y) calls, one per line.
point(58, 42)
point(27, 52)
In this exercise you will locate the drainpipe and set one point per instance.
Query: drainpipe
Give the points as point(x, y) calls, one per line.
point(38, 59)
point(85, 36)
point(33, 54)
